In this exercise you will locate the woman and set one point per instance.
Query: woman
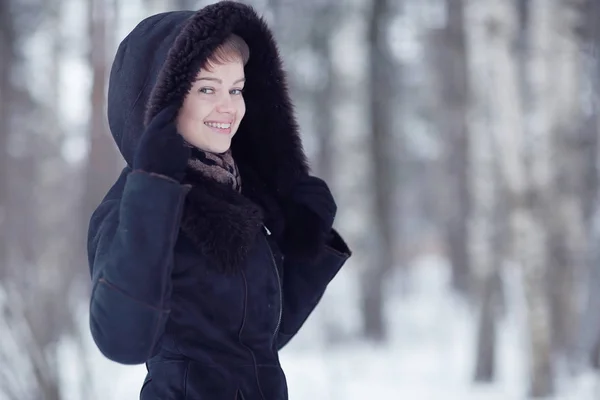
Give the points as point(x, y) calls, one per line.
point(215, 244)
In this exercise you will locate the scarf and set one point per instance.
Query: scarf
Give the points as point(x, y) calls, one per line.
point(219, 167)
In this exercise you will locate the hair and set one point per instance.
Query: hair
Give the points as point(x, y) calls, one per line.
point(234, 48)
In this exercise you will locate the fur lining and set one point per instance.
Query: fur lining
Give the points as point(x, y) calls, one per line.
point(223, 223)
point(220, 222)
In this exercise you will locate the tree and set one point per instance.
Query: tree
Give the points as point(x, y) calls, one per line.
point(103, 160)
point(524, 137)
point(485, 186)
point(566, 201)
point(35, 304)
point(587, 344)
point(7, 54)
point(524, 145)
point(450, 63)
point(383, 173)
point(324, 17)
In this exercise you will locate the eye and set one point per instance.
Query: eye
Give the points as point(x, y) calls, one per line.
point(206, 90)
point(237, 92)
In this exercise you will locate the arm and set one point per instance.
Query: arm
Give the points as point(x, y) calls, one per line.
point(130, 250)
point(304, 285)
point(130, 245)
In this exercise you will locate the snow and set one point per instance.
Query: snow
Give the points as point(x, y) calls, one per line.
point(430, 354)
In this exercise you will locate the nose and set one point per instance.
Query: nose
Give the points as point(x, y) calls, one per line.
point(225, 104)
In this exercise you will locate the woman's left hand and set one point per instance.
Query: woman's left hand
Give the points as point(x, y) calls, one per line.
point(314, 194)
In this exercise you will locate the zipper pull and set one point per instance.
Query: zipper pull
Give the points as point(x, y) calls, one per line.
point(267, 230)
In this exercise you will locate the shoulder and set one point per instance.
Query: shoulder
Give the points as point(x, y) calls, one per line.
point(111, 200)
point(116, 190)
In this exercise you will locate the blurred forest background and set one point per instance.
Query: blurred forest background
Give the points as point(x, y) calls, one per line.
point(461, 138)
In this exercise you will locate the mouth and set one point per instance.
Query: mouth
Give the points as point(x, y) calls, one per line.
point(220, 127)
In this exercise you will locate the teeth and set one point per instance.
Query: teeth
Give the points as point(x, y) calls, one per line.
point(218, 125)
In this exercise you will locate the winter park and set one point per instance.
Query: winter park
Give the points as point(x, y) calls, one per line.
point(318, 199)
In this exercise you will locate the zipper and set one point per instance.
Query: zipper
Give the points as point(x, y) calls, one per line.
point(268, 232)
point(240, 336)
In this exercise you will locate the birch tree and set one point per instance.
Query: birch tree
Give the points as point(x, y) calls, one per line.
point(525, 155)
point(484, 187)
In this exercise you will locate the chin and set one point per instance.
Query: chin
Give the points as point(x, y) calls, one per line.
point(219, 146)
point(221, 150)
point(218, 149)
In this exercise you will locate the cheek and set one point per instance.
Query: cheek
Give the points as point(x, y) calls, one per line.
point(196, 108)
point(188, 119)
point(241, 111)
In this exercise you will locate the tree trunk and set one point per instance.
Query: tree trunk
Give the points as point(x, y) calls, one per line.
point(324, 93)
point(589, 37)
point(564, 211)
point(485, 249)
point(532, 236)
point(451, 66)
point(485, 361)
point(382, 172)
point(103, 160)
point(485, 179)
point(587, 345)
point(7, 56)
point(524, 156)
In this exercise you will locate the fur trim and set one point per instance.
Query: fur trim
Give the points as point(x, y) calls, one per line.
point(267, 142)
point(220, 222)
point(269, 117)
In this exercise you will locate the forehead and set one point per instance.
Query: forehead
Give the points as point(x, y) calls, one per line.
point(233, 69)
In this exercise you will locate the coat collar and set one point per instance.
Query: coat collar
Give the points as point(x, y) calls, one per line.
point(223, 223)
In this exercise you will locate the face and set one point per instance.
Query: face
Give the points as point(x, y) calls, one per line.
point(214, 107)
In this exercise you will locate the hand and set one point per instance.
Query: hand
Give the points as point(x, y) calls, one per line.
point(314, 194)
point(162, 150)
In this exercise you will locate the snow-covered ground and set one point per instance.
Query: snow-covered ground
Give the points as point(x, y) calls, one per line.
point(430, 355)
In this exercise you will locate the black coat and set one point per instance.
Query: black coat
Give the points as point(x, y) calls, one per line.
point(202, 283)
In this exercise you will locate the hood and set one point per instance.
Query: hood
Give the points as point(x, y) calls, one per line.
point(155, 66)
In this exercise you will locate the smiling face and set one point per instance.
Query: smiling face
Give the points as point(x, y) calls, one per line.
point(213, 109)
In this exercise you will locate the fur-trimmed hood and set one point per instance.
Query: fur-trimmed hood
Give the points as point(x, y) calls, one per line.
point(155, 66)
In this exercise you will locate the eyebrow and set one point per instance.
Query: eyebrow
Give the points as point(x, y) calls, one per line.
point(219, 80)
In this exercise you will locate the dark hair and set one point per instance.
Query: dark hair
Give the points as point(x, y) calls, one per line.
point(234, 48)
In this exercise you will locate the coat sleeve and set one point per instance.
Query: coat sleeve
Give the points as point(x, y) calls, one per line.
point(130, 252)
point(304, 285)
